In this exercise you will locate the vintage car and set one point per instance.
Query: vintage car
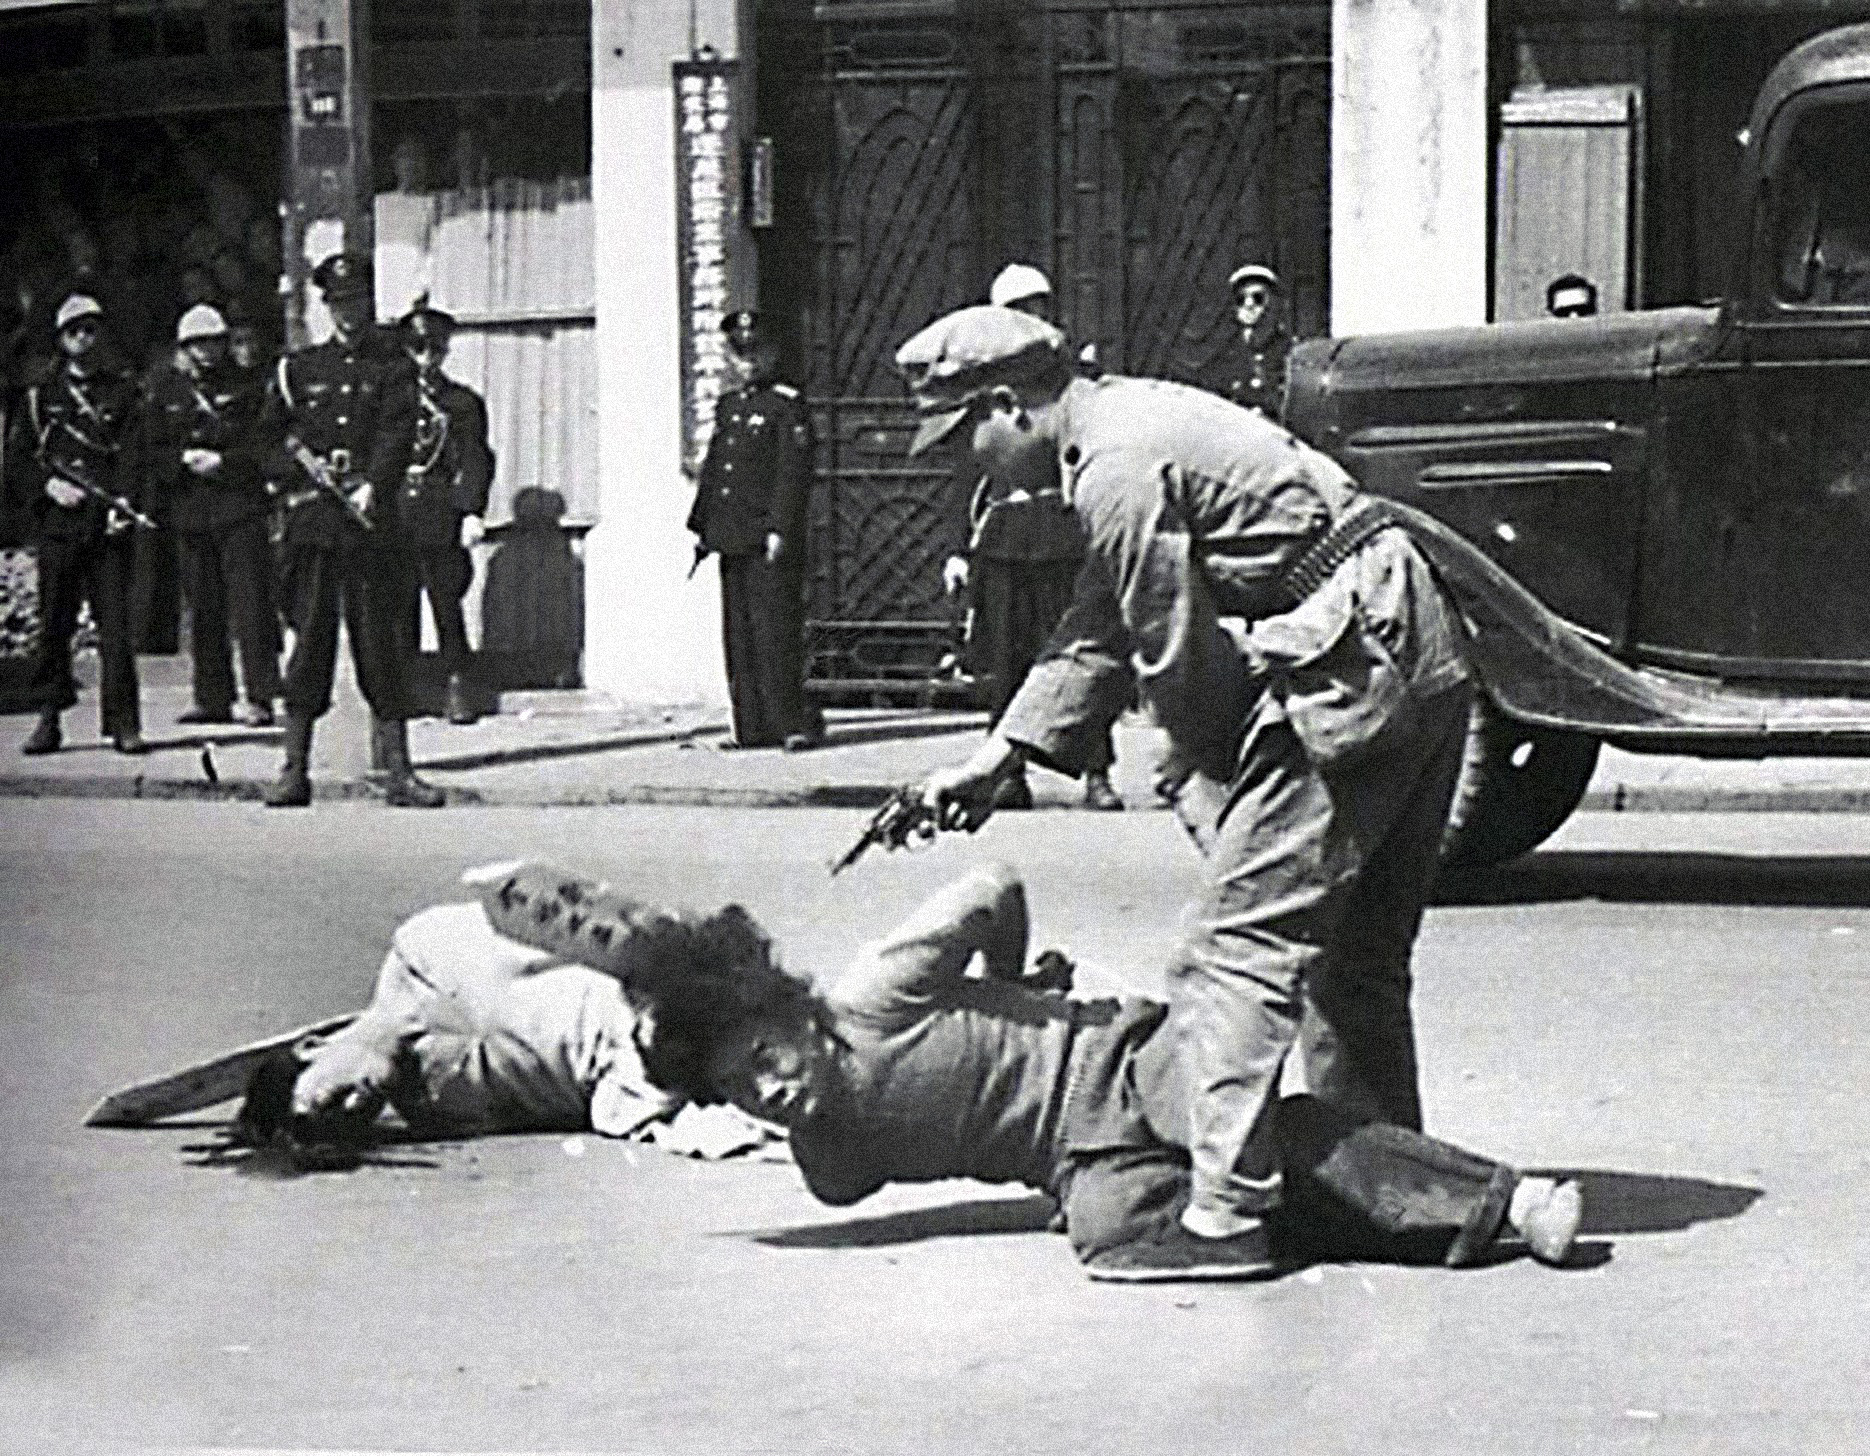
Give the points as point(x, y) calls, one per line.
point(1657, 523)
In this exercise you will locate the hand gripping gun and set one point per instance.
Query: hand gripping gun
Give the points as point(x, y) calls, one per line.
point(904, 817)
point(324, 475)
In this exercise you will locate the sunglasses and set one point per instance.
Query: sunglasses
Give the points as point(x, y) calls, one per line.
point(79, 327)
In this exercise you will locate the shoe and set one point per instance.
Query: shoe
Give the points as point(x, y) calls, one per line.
point(1546, 1214)
point(205, 715)
point(401, 788)
point(802, 742)
point(130, 742)
point(254, 715)
point(1175, 1254)
point(293, 788)
point(1098, 794)
point(460, 702)
point(1013, 792)
point(45, 737)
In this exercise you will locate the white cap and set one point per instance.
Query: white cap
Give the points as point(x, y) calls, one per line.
point(1249, 272)
point(1017, 282)
point(79, 305)
point(203, 321)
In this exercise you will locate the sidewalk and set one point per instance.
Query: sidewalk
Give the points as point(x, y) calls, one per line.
point(580, 748)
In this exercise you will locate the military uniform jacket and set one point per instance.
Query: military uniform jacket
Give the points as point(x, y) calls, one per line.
point(756, 472)
point(85, 429)
point(1253, 372)
point(219, 411)
point(358, 396)
point(451, 466)
point(1195, 510)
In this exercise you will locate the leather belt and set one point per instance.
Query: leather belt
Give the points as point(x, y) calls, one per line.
point(1350, 531)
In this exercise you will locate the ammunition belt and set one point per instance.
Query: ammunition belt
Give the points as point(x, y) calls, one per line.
point(1348, 533)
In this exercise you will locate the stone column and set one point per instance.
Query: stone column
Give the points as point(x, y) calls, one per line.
point(651, 636)
point(328, 104)
point(1409, 164)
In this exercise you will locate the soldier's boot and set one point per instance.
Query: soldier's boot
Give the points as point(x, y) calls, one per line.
point(460, 700)
point(401, 787)
point(378, 773)
point(46, 737)
point(293, 788)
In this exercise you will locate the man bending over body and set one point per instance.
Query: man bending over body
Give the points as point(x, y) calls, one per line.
point(908, 1069)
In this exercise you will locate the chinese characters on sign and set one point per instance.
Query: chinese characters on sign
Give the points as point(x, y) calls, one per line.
point(708, 198)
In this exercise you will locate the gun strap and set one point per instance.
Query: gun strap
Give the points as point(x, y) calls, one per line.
point(1363, 520)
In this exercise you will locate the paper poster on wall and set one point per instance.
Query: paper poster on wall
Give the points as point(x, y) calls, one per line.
point(707, 158)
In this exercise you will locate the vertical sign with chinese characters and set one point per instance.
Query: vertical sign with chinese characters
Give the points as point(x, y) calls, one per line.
point(328, 191)
point(707, 184)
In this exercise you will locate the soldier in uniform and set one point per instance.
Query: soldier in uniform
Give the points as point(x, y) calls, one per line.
point(1310, 677)
point(76, 444)
point(1023, 552)
point(343, 413)
point(444, 497)
point(1252, 370)
point(206, 448)
point(750, 510)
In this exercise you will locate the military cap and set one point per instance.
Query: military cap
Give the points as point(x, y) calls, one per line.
point(1017, 282)
point(963, 356)
point(423, 323)
point(1249, 272)
point(203, 321)
point(343, 275)
point(1571, 295)
point(741, 320)
point(78, 306)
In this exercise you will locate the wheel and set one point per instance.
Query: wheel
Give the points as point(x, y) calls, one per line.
point(1517, 785)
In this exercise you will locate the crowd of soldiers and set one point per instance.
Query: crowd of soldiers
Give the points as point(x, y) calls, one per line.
point(338, 486)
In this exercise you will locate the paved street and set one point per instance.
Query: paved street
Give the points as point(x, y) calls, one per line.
point(1671, 1004)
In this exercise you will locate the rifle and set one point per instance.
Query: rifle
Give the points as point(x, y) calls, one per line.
point(80, 478)
point(325, 477)
point(903, 817)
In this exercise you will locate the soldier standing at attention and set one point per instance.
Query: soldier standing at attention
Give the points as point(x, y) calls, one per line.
point(444, 497)
point(1296, 650)
point(77, 442)
point(1252, 371)
point(205, 445)
point(343, 413)
point(1023, 553)
point(750, 510)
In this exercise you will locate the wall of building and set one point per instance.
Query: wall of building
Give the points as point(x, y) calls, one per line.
point(650, 634)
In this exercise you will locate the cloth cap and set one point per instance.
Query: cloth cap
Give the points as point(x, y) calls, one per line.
point(203, 321)
point(423, 323)
point(78, 306)
point(343, 275)
point(1247, 272)
point(964, 355)
point(1017, 282)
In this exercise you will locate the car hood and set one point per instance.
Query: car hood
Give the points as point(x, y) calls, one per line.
point(1611, 346)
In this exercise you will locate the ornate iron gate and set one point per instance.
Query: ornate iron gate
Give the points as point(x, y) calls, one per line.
point(1136, 151)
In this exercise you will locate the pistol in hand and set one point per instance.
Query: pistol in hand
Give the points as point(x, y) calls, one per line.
point(905, 816)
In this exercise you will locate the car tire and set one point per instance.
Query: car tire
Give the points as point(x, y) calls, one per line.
point(1517, 785)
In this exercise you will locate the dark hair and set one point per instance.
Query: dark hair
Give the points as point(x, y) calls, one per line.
point(717, 973)
point(267, 1124)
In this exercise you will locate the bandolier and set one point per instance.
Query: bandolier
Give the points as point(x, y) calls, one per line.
point(76, 461)
point(342, 414)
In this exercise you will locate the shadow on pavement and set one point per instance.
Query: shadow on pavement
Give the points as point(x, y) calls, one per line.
point(1029, 1215)
point(1654, 1203)
point(577, 748)
point(1647, 878)
point(900, 730)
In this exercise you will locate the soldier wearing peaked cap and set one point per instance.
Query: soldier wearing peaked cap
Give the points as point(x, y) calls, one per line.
point(750, 510)
point(443, 497)
point(341, 415)
point(207, 451)
point(1293, 644)
point(75, 445)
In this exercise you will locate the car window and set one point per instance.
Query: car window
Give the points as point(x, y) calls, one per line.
point(1822, 208)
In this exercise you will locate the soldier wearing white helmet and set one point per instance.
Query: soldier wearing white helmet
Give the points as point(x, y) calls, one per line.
point(1251, 370)
point(206, 451)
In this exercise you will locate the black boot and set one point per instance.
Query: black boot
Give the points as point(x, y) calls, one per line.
point(293, 788)
point(460, 700)
point(46, 737)
point(401, 787)
point(379, 771)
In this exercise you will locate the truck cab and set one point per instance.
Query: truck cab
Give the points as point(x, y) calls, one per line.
point(1657, 524)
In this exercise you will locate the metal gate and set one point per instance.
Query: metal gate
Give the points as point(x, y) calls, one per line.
point(1137, 152)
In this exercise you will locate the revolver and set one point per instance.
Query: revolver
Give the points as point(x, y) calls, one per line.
point(903, 817)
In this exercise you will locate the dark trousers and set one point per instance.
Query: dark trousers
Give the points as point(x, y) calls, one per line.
point(363, 586)
point(227, 572)
point(1016, 606)
point(763, 629)
point(443, 574)
point(1355, 1188)
point(73, 570)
